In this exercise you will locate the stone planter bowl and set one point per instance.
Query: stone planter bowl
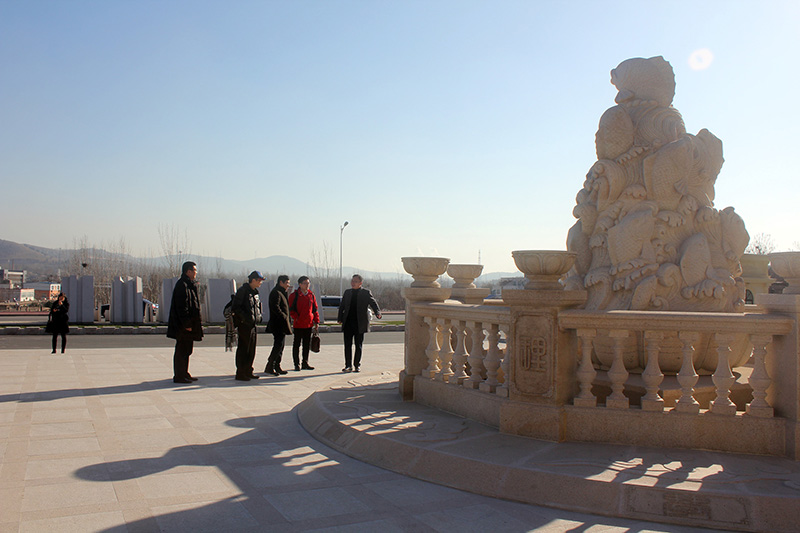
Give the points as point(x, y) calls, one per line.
point(425, 270)
point(787, 266)
point(464, 275)
point(543, 268)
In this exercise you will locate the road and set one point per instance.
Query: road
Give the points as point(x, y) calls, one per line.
point(42, 342)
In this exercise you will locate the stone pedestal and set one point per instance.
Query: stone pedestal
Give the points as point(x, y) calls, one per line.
point(80, 293)
point(469, 296)
point(544, 362)
point(416, 335)
point(783, 367)
point(167, 286)
point(127, 306)
point(218, 294)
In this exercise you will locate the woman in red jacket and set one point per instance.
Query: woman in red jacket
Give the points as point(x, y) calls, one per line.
point(305, 317)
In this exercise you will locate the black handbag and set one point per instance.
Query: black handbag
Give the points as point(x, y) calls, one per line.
point(315, 342)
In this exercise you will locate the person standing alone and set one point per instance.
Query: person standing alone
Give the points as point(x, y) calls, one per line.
point(185, 323)
point(247, 315)
point(58, 322)
point(279, 324)
point(305, 317)
point(354, 317)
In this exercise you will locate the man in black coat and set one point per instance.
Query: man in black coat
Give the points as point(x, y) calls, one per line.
point(246, 309)
point(185, 324)
point(354, 317)
point(279, 324)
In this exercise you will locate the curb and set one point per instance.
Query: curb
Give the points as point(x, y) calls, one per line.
point(211, 329)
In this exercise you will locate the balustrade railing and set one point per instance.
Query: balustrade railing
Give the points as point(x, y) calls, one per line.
point(467, 345)
point(656, 328)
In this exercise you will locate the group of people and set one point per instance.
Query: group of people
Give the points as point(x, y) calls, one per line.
point(289, 314)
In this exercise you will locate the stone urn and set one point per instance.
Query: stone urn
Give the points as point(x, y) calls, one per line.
point(755, 273)
point(787, 266)
point(543, 268)
point(464, 275)
point(425, 270)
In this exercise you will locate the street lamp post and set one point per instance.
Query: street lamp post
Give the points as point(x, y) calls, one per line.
point(341, 232)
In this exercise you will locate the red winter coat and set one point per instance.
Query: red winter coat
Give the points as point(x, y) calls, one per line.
point(305, 313)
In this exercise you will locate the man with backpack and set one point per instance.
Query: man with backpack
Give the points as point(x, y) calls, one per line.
point(246, 315)
point(305, 317)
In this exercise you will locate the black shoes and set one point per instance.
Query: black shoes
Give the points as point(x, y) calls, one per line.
point(181, 380)
point(347, 369)
point(357, 369)
point(242, 378)
point(253, 376)
point(280, 371)
point(191, 378)
point(297, 368)
point(306, 366)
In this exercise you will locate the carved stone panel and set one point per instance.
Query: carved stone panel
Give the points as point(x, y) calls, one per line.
point(534, 355)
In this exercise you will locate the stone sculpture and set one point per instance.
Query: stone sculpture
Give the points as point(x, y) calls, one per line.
point(648, 236)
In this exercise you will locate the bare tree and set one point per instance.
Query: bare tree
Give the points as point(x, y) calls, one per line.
point(174, 244)
point(324, 269)
point(761, 244)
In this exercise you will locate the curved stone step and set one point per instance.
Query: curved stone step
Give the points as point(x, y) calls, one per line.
point(366, 419)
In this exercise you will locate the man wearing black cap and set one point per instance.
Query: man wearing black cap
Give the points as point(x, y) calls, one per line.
point(246, 309)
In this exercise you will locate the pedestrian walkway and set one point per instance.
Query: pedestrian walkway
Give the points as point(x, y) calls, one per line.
point(102, 440)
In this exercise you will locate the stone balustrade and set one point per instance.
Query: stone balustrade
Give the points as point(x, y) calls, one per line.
point(467, 345)
point(529, 365)
point(687, 329)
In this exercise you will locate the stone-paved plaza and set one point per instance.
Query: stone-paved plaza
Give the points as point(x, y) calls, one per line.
point(100, 439)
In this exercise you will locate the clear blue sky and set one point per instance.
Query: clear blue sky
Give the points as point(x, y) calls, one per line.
point(433, 127)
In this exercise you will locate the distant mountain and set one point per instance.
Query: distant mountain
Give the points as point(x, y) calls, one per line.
point(42, 263)
point(34, 259)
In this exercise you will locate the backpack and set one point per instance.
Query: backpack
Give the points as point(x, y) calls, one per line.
point(293, 307)
point(227, 311)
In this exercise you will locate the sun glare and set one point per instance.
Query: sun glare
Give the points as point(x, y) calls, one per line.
point(700, 59)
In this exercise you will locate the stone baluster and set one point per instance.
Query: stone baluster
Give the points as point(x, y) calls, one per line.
point(432, 351)
point(502, 389)
point(492, 360)
point(652, 375)
point(460, 354)
point(723, 377)
point(475, 358)
point(446, 351)
point(759, 379)
point(687, 376)
point(618, 374)
point(586, 372)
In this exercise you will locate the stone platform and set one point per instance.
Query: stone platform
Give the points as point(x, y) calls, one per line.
point(100, 439)
point(368, 421)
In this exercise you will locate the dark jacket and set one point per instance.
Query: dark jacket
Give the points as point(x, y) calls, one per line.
point(347, 306)
point(57, 322)
point(303, 309)
point(246, 306)
point(184, 311)
point(279, 311)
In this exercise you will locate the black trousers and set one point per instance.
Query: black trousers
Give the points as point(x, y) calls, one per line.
point(184, 345)
point(275, 356)
point(351, 335)
point(63, 341)
point(301, 335)
point(246, 350)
